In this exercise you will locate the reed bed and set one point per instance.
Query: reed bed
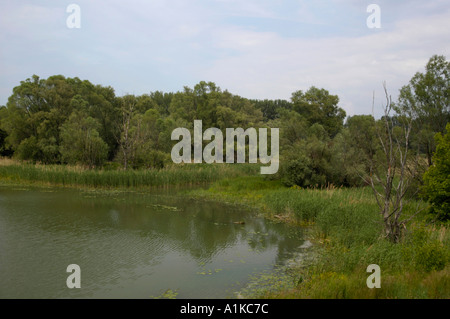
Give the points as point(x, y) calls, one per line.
point(346, 230)
point(76, 176)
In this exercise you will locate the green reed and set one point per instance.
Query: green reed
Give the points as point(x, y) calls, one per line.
point(73, 176)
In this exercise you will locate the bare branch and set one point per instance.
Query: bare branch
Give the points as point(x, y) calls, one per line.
point(396, 182)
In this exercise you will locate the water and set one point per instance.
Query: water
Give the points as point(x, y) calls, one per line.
point(132, 245)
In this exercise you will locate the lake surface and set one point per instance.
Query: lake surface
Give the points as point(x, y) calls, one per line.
point(132, 245)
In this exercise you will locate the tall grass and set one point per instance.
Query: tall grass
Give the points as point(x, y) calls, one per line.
point(347, 231)
point(76, 176)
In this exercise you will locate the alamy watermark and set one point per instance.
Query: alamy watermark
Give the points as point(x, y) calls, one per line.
point(74, 279)
point(213, 152)
point(374, 280)
point(73, 21)
point(374, 19)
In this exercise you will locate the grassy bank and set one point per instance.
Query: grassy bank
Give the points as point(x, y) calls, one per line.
point(343, 225)
point(176, 175)
point(346, 228)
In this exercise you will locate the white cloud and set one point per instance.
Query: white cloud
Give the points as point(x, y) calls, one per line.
point(269, 65)
point(247, 47)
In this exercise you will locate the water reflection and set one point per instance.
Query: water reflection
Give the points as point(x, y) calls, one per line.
point(131, 244)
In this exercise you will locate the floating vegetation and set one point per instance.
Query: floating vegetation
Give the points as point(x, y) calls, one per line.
point(209, 272)
point(168, 294)
point(268, 282)
point(19, 189)
point(170, 208)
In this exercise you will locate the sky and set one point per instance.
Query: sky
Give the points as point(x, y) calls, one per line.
point(259, 49)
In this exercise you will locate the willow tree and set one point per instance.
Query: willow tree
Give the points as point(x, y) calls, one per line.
point(81, 142)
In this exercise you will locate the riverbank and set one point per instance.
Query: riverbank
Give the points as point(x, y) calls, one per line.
point(345, 229)
point(343, 225)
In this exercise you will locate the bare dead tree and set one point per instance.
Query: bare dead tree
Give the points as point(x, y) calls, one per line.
point(130, 133)
point(391, 179)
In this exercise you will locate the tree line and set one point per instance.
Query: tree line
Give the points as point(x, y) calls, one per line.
point(69, 121)
point(62, 120)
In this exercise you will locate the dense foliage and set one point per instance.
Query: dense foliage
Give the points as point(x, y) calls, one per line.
point(437, 179)
point(62, 120)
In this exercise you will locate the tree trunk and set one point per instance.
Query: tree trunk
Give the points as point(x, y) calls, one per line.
point(395, 149)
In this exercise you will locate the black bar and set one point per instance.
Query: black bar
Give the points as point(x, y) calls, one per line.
point(222, 308)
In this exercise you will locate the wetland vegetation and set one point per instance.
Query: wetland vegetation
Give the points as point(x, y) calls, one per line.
point(362, 190)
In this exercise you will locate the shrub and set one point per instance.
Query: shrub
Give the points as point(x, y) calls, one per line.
point(432, 256)
point(436, 187)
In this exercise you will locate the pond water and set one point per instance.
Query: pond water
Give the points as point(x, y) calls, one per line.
point(132, 244)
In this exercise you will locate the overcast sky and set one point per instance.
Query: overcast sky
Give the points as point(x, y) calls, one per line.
point(254, 48)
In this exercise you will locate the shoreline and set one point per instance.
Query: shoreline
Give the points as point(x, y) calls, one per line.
point(345, 241)
point(341, 224)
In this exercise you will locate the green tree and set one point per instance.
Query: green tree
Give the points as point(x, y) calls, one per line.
point(307, 162)
point(81, 142)
point(319, 106)
point(149, 151)
point(5, 148)
point(162, 101)
point(183, 105)
point(436, 188)
point(354, 150)
point(39, 107)
point(271, 108)
point(101, 103)
point(426, 99)
point(207, 98)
